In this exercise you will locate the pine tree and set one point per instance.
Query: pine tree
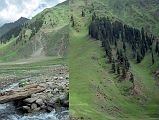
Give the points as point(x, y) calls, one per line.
point(118, 69)
point(113, 66)
point(123, 73)
point(83, 13)
point(138, 58)
point(157, 47)
point(132, 79)
point(153, 61)
point(124, 46)
point(116, 45)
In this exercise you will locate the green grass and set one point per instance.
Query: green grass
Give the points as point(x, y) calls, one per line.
point(88, 70)
point(54, 36)
point(89, 73)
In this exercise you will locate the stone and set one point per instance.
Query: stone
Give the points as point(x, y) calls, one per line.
point(61, 78)
point(37, 109)
point(60, 88)
point(56, 90)
point(49, 108)
point(43, 106)
point(65, 103)
point(27, 108)
point(55, 78)
point(67, 77)
point(39, 102)
point(30, 100)
point(53, 100)
point(43, 85)
point(34, 106)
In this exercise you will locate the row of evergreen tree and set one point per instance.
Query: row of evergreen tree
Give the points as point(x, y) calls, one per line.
point(118, 39)
point(110, 33)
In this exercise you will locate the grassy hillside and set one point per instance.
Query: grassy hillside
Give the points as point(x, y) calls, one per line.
point(95, 92)
point(50, 40)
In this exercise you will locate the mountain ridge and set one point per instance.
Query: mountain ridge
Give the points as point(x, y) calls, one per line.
point(8, 26)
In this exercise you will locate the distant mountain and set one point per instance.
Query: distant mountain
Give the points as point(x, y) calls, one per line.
point(8, 26)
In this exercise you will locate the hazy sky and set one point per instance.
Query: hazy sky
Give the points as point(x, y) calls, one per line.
point(11, 10)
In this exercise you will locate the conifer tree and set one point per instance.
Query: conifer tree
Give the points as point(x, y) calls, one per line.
point(123, 73)
point(153, 61)
point(118, 69)
point(83, 13)
point(113, 66)
point(132, 79)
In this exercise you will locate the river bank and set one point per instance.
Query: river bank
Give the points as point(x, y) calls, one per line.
point(52, 103)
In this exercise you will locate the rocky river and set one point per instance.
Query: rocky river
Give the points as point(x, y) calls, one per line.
point(51, 103)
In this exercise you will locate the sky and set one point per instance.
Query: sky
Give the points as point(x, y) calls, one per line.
point(12, 10)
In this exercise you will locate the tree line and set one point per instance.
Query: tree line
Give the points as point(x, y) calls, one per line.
point(15, 32)
point(113, 33)
point(117, 39)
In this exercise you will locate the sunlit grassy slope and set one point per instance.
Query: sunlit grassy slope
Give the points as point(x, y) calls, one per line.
point(50, 40)
point(95, 92)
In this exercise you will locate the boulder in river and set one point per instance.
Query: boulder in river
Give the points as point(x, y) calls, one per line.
point(40, 102)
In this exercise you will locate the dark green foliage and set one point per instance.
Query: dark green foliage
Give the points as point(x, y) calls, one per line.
point(132, 79)
point(157, 48)
point(83, 13)
point(118, 69)
point(112, 32)
point(123, 73)
point(138, 57)
point(153, 60)
point(12, 33)
point(113, 66)
point(72, 20)
point(124, 46)
point(35, 26)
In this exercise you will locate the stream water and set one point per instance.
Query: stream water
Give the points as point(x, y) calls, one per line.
point(8, 112)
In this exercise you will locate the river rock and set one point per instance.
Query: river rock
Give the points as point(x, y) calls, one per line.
point(43, 85)
point(30, 100)
point(27, 108)
point(61, 78)
point(63, 97)
point(67, 77)
point(49, 108)
point(56, 90)
point(37, 109)
point(65, 103)
point(43, 106)
point(34, 106)
point(55, 78)
point(53, 100)
point(39, 102)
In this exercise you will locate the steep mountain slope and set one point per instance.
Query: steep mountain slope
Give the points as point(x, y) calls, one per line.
point(45, 35)
point(96, 93)
point(8, 26)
